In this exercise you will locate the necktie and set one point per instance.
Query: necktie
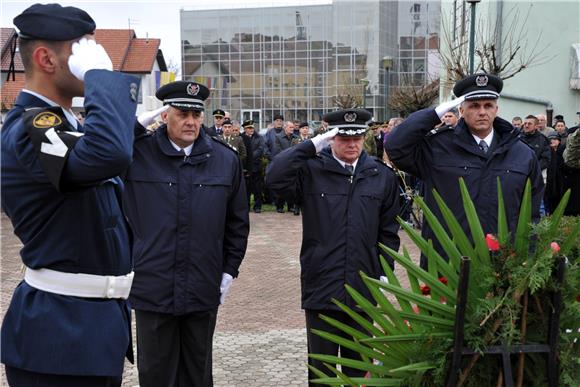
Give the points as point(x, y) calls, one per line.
point(349, 168)
point(483, 146)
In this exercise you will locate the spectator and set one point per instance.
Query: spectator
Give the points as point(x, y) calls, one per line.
point(450, 118)
point(257, 148)
point(218, 121)
point(562, 131)
point(284, 141)
point(481, 148)
point(303, 134)
point(555, 177)
point(232, 140)
point(542, 125)
point(517, 123)
point(349, 205)
point(270, 137)
point(538, 142)
point(186, 201)
point(68, 322)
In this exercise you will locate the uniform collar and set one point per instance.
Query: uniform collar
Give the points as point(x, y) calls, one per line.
point(186, 150)
point(343, 163)
point(488, 139)
point(67, 113)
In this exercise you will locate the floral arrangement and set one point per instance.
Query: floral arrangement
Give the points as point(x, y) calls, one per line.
point(409, 340)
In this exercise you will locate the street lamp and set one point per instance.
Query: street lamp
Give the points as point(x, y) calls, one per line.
point(472, 37)
point(365, 83)
point(387, 65)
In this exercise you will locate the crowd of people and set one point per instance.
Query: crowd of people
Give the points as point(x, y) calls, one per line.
point(118, 213)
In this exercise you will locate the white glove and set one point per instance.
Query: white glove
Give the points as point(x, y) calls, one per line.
point(88, 55)
point(148, 118)
point(446, 106)
point(225, 286)
point(323, 140)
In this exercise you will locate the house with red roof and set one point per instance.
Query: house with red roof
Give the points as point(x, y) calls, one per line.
point(137, 56)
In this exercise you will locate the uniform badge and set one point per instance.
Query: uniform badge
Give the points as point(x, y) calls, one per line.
point(133, 91)
point(46, 120)
point(192, 89)
point(350, 117)
point(481, 80)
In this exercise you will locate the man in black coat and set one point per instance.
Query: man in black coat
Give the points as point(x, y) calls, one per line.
point(284, 140)
point(349, 202)
point(481, 148)
point(218, 119)
point(186, 201)
point(256, 150)
point(537, 141)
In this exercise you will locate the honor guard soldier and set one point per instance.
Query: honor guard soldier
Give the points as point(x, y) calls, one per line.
point(349, 203)
point(480, 148)
point(218, 119)
point(186, 201)
point(68, 323)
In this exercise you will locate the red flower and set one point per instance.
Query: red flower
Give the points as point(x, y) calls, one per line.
point(426, 290)
point(443, 280)
point(417, 310)
point(492, 242)
point(555, 247)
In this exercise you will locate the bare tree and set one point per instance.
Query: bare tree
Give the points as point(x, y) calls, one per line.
point(502, 49)
point(348, 96)
point(410, 97)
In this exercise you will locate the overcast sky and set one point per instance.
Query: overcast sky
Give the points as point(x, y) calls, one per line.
point(154, 19)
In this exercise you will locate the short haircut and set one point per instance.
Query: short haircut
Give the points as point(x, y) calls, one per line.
point(26, 48)
point(517, 118)
point(558, 121)
point(532, 117)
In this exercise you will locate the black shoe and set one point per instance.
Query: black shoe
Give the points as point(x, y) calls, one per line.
point(296, 211)
point(257, 210)
point(280, 210)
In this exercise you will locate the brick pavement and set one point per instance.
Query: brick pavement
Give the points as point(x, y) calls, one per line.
point(260, 338)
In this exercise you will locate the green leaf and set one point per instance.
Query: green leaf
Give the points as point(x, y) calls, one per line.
point(477, 234)
point(557, 216)
point(442, 323)
point(342, 376)
point(357, 364)
point(392, 278)
point(359, 348)
point(571, 240)
point(429, 279)
point(407, 337)
point(443, 238)
point(420, 300)
point(421, 366)
point(502, 224)
point(522, 243)
point(370, 382)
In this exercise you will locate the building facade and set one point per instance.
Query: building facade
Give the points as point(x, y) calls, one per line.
point(299, 60)
point(546, 35)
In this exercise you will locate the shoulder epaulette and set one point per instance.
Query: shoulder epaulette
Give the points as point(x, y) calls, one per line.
point(222, 142)
point(438, 130)
point(382, 162)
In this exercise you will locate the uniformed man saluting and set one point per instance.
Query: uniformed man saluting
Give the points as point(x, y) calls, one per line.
point(349, 202)
point(480, 148)
point(68, 323)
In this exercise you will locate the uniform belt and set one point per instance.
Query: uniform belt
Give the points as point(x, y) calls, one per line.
point(80, 284)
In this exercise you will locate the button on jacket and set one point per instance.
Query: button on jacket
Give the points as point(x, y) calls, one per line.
point(344, 217)
point(190, 220)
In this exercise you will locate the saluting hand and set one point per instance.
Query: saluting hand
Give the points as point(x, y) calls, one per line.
point(88, 55)
point(446, 106)
point(323, 140)
point(148, 118)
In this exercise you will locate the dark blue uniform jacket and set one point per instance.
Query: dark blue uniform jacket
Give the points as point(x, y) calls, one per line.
point(190, 220)
point(440, 159)
point(343, 219)
point(67, 213)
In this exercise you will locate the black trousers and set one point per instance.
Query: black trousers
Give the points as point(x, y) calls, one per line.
point(21, 378)
point(175, 351)
point(318, 345)
point(254, 186)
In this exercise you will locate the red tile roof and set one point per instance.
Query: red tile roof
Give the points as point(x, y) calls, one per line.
point(10, 90)
point(141, 56)
point(127, 52)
